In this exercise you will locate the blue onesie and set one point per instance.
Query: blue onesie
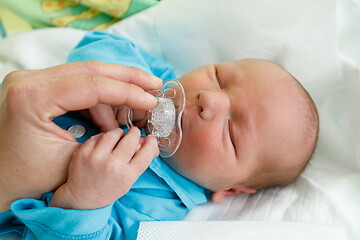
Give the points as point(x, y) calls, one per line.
point(159, 194)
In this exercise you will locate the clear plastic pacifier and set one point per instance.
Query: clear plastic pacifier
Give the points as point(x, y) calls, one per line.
point(164, 121)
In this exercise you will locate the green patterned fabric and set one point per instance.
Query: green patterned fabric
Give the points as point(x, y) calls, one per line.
point(81, 14)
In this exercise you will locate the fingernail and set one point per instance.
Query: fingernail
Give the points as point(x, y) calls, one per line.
point(151, 97)
point(156, 79)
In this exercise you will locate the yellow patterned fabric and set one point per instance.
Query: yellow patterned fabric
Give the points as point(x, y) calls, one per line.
point(82, 14)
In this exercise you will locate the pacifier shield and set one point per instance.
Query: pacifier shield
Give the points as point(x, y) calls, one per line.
point(164, 121)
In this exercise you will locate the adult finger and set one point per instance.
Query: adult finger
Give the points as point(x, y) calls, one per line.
point(110, 70)
point(85, 91)
point(122, 115)
point(103, 116)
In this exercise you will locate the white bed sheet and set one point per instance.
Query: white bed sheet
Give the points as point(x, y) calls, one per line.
point(317, 41)
point(235, 230)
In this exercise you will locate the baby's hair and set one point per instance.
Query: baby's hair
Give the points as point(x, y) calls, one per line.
point(310, 121)
point(311, 118)
point(284, 171)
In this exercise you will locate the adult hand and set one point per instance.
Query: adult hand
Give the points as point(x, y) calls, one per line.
point(35, 152)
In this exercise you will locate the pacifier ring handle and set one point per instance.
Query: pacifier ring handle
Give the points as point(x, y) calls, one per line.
point(161, 94)
point(173, 92)
point(129, 121)
point(162, 145)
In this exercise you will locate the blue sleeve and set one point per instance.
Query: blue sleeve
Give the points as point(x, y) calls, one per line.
point(43, 222)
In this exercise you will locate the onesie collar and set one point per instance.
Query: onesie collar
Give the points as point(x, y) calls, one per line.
point(190, 193)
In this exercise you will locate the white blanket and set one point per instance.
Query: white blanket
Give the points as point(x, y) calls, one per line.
point(317, 41)
point(235, 230)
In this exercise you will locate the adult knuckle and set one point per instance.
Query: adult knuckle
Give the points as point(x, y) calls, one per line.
point(10, 81)
point(92, 79)
point(11, 77)
point(133, 70)
point(136, 72)
point(93, 66)
point(132, 89)
point(17, 75)
point(18, 92)
point(92, 82)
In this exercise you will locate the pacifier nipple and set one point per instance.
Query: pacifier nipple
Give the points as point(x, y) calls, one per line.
point(164, 121)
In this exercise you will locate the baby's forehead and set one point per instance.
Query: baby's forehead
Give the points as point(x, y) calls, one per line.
point(256, 71)
point(253, 66)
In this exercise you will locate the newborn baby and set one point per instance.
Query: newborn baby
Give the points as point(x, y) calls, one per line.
point(247, 125)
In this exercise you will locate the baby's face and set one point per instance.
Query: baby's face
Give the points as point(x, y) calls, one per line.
point(237, 115)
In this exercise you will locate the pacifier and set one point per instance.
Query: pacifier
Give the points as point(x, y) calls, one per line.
point(164, 121)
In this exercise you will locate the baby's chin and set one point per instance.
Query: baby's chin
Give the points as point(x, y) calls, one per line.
point(175, 162)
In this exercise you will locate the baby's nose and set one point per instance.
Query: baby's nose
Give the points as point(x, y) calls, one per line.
point(212, 103)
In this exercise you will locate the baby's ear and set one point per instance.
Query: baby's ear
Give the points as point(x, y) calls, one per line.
point(219, 196)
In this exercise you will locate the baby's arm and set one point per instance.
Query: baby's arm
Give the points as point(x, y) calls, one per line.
point(104, 168)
